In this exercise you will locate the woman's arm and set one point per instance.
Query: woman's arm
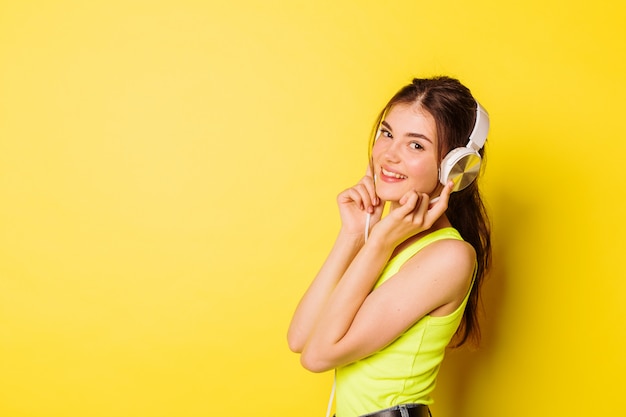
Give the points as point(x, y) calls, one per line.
point(308, 310)
point(357, 321)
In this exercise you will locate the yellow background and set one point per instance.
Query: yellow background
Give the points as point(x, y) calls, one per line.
point(168, 171)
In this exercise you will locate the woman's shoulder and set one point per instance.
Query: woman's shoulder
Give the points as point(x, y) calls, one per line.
point(449, 250)
point(419, 242)
point(444, 256)
point(438, 274)
point(444, 244)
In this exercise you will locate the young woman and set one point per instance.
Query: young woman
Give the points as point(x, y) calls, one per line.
point(396, 290)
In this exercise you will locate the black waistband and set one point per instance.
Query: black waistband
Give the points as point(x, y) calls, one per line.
point(413, 410)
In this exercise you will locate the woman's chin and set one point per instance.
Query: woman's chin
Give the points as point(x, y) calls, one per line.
point(387, 196)
point(392, 195)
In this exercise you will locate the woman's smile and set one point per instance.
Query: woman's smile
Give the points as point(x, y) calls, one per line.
point(391, 176)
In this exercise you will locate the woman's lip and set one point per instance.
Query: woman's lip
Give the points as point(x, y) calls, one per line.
point(390, 175)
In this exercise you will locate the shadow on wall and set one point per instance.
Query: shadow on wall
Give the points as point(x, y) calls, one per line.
point(462, 366)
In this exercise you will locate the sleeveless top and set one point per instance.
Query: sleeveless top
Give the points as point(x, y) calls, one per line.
point(405, 371)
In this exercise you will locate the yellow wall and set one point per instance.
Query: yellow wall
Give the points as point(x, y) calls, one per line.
point(168, 172)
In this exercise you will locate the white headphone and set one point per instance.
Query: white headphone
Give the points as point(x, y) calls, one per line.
point(462, 165)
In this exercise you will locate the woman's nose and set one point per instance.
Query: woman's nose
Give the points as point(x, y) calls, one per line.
point(392, 152)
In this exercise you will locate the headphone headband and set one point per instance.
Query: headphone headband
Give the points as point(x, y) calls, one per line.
point(481, 128)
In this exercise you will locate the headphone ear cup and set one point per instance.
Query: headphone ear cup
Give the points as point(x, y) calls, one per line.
point(461, 166)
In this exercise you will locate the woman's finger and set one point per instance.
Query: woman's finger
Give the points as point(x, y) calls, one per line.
point(357, 195)
point(408, 202)
point(439, 205)
point(370, 186)
point(421, 209)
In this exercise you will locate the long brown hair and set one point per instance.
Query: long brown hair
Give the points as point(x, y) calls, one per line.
point(454, 109)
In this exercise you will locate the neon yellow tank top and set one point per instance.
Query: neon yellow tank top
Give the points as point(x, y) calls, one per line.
point(405, 371)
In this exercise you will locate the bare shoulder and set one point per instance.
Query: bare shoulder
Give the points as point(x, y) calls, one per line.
point(456, 252)
point(448, 267)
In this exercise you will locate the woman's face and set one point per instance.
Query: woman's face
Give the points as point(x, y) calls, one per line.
point(405, 155)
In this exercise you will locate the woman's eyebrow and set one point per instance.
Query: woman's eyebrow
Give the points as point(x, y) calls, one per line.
point(384, 123)
point(419, 136)
point(410, 134)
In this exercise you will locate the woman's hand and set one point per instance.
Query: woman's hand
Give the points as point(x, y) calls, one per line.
point(356, 202)
point(415, 214)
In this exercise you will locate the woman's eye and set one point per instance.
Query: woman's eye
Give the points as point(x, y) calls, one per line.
point(386, 133)
point(415, 145)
